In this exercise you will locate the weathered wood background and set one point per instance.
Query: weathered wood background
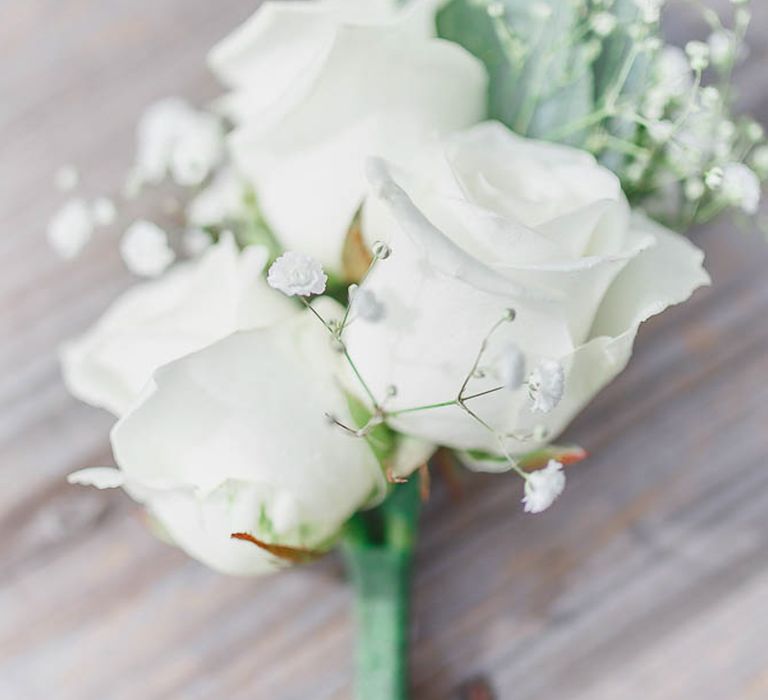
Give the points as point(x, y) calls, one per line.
point(648, 580)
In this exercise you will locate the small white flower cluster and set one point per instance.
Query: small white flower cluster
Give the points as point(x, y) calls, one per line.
point(296, 274)
point(172, 139)
point(543, 487)
point(691, 158)
point(71, 227)
point(546, 386)
point(546, 383)
point(656, 121)
point(144, 246)
point(650, 10)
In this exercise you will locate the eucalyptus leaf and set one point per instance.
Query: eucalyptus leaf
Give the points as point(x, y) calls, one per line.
point(540, 78)
point(616, 51)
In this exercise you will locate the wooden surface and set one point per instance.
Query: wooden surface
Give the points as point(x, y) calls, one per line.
point(648, 580)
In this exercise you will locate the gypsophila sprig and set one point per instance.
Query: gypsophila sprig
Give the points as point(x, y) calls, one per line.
point(297, 274)
point(543, 487)
point(741, 187)
point(70, 228)
point(546, 386)
point(174, 138)
point(145, 250)
point(645, 108)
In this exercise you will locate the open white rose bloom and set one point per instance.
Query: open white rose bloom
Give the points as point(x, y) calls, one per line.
point(234, 439)
point(318, 87)
point(377, 262)
point(486, 221)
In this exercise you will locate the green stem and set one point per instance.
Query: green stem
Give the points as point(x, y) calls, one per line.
point(378, 548)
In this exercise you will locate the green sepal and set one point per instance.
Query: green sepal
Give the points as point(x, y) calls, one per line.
point(381, 438)
point(566, 454)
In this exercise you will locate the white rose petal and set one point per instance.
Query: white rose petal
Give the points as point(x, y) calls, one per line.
point(145, 250)
point(543, 487)
point(546, 385)
point(305, 122)
point(484, 222)
point(99, 477)
point(220, 202)
point(285, 513)
point(234, 439)
point(70, 229)
point(192, 306)
point(296, 274)
point(410, 454)
point(365, 304)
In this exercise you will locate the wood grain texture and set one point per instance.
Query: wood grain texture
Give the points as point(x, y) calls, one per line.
point(648, 580)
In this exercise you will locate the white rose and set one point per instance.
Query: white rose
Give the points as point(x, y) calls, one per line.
point(235, 439)
point(487, 222)
point(193, 305)
point(317, 87)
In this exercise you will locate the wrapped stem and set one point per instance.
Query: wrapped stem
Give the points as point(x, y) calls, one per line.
point(378, 549)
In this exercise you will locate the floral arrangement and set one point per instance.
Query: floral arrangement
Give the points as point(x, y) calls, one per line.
point(406, 228)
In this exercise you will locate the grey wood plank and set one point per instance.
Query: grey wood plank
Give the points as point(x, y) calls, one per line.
point(649, 580)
